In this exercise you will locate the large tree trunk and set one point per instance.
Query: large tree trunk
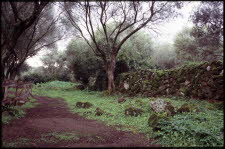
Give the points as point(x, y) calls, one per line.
point(110, 73)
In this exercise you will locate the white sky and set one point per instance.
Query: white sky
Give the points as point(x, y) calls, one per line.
point(167, 32)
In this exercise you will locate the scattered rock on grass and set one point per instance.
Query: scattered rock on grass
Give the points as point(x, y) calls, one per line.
point(170, 109)
point(184, 108)
point(83, 104)
point(121, 100)
point(80, 87)
point(133, 111)
point(158, 105)
point(99, 112)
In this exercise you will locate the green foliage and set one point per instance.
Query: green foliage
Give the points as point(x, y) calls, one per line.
point(82, 61)
point(204, 41)
point(37, 77)
point(208, 28)
point(192, 129)
point(154, 119)
point(55, 137)
point(54, 68)
point(85, 65)
point(55, 85)
point(186, 46)
point(137, 51)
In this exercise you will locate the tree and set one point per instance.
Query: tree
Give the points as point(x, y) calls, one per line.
point(129, 17)
point(208, 29)
point(186, 46)
point(82, 61)
point(16, 18)
point(203, 42)
point(54, 64)
point(137, 51)
point(34, 38)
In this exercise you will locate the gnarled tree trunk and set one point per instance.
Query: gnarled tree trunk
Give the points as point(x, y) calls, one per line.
point(110, 73)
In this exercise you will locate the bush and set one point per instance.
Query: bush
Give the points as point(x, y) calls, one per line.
point(37, 78)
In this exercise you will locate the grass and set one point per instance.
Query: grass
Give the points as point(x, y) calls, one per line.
point(53, 137)
point(18, 111)
point(17, 142)
point(65, 136)
point(114, 114)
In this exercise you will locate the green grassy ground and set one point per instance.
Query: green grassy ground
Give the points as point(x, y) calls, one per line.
point(204, 128)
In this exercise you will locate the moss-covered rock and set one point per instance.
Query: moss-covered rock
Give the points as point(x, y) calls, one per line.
point(131, 111)
point(98, 112)
point(170, 109)
point(191, 80)
point(184, 108)
point(154, 119)
point(83, 104)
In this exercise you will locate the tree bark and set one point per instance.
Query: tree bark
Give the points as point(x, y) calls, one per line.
point(1, 66)
point(110, 73)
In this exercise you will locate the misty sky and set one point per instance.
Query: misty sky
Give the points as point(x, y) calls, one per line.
point(167, 32)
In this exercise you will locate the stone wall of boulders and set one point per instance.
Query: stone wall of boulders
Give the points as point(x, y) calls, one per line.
point(201, 81)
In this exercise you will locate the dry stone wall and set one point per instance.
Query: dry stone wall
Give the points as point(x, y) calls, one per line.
point(202, 81)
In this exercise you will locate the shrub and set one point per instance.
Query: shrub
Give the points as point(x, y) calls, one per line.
point(37, 78)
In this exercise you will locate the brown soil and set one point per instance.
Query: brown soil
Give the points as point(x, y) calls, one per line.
point(52, 115)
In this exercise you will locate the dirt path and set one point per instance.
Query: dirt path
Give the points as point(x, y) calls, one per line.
point(52, 116)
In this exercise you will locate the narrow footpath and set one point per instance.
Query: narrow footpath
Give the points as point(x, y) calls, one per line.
point(52, 116)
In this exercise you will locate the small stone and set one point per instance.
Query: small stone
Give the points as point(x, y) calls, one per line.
point(187, 82)
point(162, 87)
point(121, 99)
point(126, 85)
point(208, 68)
point(98, 112)
point(167, 90)
point(221, 73)
point(182, 93)
point(21, 102)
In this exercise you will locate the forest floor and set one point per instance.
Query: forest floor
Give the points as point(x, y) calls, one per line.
point(51, 124)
